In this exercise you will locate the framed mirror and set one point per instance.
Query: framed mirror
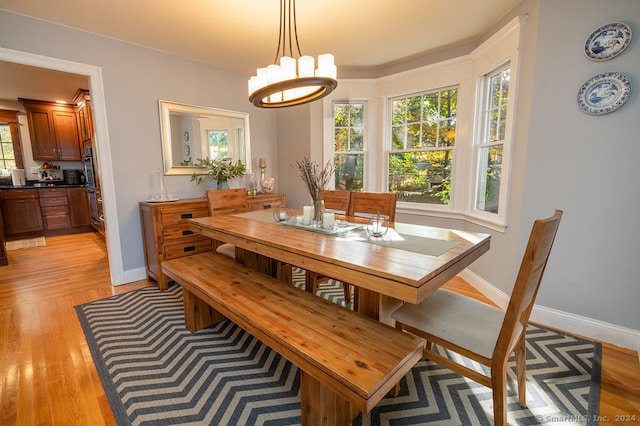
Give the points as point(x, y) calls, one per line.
point(190, 132)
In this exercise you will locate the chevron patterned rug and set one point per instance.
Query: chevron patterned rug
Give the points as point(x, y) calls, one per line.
point(155, 372)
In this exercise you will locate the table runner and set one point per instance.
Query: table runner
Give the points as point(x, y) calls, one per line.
point(392, 239)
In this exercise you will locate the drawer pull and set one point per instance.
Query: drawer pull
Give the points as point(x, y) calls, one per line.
point(187, 232)
point(186, 215)
point(266, 206)
point(189, 248)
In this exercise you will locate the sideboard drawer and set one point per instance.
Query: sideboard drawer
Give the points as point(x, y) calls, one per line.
point(177, 215)
point(187, 247)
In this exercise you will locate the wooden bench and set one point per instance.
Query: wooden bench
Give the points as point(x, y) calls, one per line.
point(348, 362)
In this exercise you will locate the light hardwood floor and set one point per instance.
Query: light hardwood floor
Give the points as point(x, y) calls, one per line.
point(48, 376)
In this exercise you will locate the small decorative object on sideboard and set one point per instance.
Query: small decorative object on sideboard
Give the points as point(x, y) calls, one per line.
point(281, 214)
point(267, 185)
point(251, 184)
point(219, 170)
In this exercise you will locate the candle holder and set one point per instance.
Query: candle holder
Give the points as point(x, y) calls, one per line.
point(281, 214)
point(377, 226)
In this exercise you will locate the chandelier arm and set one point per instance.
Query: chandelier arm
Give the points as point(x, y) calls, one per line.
point(295, 28)
point(280, 37)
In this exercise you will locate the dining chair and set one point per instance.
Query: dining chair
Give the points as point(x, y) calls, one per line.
point(372, 203)
point(226, 201)
point(338, 202)
point(481, 332)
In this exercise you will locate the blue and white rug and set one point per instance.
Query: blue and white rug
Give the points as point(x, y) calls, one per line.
point(155, 372)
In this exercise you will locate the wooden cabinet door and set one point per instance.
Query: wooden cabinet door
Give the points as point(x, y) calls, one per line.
point(21, 216)
point(43, 143)
point(65, 123)
point(79, 207)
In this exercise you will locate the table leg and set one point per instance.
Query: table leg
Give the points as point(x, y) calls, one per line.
point(376, 305)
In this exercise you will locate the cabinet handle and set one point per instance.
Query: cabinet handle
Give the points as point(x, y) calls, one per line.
point(189, 248)
point(266, 206)
point(186, 215)
point(187, 232)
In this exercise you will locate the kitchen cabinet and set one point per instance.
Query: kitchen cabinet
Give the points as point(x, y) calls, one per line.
point(53, 129)
point(55, 208)
point(82, 100)
point(21, 213)
point(166, 234)
point(4, 260)
point(64, 208)
point(79, 214)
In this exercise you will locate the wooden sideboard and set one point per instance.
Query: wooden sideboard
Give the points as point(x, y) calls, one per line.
point(166, 234)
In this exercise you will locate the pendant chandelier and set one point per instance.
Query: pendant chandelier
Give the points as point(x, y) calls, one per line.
point(289, 82)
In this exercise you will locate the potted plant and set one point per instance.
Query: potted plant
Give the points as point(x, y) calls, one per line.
point(219, 170)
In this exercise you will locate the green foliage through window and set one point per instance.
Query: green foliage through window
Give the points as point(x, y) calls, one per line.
point(423, 133)
point(348, 145)
point(7, 154)
point(490, 149)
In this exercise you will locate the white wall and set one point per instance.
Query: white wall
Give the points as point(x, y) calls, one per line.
point(135, 79)
point(586, 165)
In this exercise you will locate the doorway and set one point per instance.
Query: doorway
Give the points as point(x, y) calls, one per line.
point(93, 75)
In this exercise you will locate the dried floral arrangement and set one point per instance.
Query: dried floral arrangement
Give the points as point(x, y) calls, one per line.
point(314, 176)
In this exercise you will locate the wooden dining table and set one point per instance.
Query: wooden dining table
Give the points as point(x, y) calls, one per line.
point(406, 264)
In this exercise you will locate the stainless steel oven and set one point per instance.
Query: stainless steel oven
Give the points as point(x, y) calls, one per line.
point(89, 173)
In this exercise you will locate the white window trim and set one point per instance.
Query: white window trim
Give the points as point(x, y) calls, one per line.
point(464, 72)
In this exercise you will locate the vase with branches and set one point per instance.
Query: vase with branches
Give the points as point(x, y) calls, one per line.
point(219, 170)
point(316, 178)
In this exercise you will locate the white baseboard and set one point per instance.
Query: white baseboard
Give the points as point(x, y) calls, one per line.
point(131, 275)
point(575, 324)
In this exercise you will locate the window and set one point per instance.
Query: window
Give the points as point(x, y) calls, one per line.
point(490, 148)
point(10, 153)
point(423, 133)
point(218, 144)
point(348, 145)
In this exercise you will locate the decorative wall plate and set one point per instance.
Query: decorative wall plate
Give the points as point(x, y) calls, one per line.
point(604, 93)
point(608, 41)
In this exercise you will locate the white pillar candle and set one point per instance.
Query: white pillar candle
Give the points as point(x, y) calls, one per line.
point(328, 219)
point(377, 226)
point(307, 212)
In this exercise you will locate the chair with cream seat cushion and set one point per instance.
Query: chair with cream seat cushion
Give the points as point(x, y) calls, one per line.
point(226, 201)
point(481, 332)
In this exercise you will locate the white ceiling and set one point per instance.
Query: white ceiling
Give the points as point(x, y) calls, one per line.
point(243, 34)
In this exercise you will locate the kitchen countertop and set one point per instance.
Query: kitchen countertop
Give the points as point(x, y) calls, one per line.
point(36, 185)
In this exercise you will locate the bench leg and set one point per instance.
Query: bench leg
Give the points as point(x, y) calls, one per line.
point(197, 314)
point(322, 406)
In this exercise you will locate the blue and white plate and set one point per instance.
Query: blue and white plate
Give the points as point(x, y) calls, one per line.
point(608, 41)
point(604, 93)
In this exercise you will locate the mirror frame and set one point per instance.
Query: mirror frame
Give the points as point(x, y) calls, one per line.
point(167, 107)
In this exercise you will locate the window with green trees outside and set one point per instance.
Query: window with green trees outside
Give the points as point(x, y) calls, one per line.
point(348, 145)
point(423, 134)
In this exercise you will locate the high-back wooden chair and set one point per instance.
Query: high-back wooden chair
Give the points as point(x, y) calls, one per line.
point(226, 201)
point(336, 201)
point(372, 203)
point(481, 332)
